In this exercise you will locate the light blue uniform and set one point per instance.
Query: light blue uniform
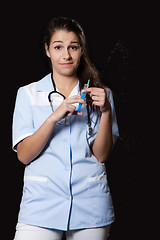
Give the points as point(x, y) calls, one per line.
point(65, 186)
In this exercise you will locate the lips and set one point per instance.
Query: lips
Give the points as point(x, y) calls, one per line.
point(66, 64)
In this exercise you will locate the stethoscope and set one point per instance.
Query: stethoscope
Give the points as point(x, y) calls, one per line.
point(63, 121)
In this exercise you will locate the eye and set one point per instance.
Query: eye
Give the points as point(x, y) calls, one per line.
point(57, 47)
point(73, 47)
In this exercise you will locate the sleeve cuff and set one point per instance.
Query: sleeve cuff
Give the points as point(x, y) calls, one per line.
point(14, 146)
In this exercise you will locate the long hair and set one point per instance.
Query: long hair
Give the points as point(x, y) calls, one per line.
point(85, 69)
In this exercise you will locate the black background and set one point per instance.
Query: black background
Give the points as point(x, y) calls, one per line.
point(117, 37)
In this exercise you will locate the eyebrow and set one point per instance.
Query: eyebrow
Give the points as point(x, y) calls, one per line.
point(57, 41)
point(62, 42)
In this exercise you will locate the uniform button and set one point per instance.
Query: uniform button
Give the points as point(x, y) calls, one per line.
point(67, 123)
point(67, 168)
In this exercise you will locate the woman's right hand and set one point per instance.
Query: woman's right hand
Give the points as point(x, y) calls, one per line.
point(25, 150)
point(67, 108)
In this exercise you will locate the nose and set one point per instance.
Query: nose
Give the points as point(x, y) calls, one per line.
point(67, 55)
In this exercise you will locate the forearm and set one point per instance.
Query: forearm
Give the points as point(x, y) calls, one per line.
point(104, 140)
point(32, 146)
point(29, 148)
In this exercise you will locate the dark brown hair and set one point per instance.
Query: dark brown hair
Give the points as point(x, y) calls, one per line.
point(85, 69)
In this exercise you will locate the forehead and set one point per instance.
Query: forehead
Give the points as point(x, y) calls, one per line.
point(64, 36)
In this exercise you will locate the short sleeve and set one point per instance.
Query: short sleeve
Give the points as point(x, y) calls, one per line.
point(95, 121)
point(22, 126)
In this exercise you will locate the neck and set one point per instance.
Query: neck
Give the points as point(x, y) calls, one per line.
point(65, 84)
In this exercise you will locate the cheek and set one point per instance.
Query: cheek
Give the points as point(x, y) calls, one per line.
point(54, 58)
point(77, 57)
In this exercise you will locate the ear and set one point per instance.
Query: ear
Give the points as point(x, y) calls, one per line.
point(47, 50)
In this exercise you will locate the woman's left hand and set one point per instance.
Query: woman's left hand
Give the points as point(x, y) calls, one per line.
point(99, 98)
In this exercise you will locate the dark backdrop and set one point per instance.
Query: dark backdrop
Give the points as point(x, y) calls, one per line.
point(116, 36)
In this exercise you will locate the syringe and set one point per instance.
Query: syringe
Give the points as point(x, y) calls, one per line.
point(83, 95)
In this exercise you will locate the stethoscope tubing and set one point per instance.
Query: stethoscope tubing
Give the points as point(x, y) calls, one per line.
point(89, 129)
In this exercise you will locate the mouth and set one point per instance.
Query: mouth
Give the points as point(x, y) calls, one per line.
point(66, 64)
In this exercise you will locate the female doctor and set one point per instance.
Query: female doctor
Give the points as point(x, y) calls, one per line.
point(64, 150)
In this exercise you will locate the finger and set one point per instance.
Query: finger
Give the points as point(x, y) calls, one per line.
point(70, 111)
point(93, 90)
point(97, 103)
point(97, 98)
point(75, 113)
point(75, 99)
point(100, 93)
point(78, 113)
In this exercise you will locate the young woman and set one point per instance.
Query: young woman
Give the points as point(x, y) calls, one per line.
point(64, 150)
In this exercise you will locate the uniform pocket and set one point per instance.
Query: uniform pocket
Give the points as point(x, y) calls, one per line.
point(98, 178)
point(34, 188)
point(98, 185)
point(35, 178)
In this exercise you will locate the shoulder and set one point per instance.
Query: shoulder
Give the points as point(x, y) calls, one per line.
point(109, 94)
point(36, 93)
point(29, 88)
point(108, 91)
point(40, 85)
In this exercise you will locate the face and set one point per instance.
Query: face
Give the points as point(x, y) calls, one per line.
point(65, 52)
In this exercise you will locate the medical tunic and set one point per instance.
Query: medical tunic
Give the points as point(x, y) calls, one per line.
point(65, 187)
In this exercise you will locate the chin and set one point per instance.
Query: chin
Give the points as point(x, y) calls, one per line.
point(68, 73)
